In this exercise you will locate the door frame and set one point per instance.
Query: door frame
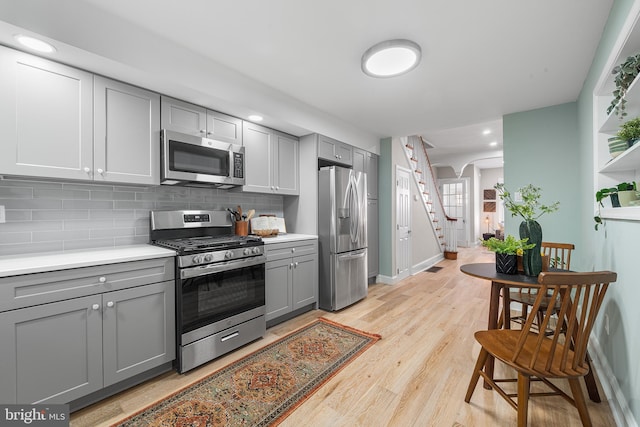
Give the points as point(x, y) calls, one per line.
point(406, 273)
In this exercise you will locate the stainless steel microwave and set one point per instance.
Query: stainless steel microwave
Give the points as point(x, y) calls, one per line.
point(196, 161)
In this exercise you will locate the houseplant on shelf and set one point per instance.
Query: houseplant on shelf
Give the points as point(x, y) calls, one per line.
point(529, 209)
point(630, 131)
point(620, 195)
point(624, 73)
point(507, 251)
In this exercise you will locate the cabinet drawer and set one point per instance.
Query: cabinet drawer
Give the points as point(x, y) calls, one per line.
point(278, 251)
point(40, 288)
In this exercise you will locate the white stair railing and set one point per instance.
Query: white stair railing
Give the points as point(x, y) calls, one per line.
point(443, 225)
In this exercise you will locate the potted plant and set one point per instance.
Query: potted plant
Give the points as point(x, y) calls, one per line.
point(630, 131)
point(620, 195)
point(530, 209)
point(624, 73)
point(507, 251)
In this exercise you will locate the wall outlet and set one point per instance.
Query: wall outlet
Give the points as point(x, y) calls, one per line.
point(606, 323)
point(3, 217)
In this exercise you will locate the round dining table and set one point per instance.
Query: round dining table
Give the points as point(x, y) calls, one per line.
point(500, 283)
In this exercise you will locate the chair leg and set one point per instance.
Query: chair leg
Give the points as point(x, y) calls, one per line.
point(482, 359)
point(581, 404)
point(523, 398)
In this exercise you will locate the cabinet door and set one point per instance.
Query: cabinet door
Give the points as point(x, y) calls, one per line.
point(326, 147)
point(278, 288)
point(258, 158)
point(45, 117)
point(51, 353)
point(225, 128)
point(286, 168)
point(372, 237)
point(359, 160)
point(305, 280)
point(139, 330)
point(344, 153)
point(126, 133)
point(334, 151)
point(180, 116)
point(371, 168)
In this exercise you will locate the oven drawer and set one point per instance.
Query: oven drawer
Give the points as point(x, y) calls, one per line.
point(223, 342)
point(41, 288)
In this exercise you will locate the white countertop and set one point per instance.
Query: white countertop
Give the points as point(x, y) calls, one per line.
point(287, 237)
point(12, 265)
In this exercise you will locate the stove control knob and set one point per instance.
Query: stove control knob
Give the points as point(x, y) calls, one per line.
point(228, 255)
point(197, 259)
point(247, 251)
point(256, 250)
point(208, 257)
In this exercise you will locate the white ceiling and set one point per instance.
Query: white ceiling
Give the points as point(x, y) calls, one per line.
point(297, 62)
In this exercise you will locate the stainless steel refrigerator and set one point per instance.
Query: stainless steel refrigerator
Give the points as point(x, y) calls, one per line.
point(342, 232)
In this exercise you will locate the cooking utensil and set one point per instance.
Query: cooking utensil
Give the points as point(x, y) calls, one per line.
point(250, 214)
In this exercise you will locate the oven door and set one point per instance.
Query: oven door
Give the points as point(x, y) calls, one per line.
point(188, 158)
point(208, 296)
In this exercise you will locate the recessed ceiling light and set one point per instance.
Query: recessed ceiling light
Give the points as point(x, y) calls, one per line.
point(34, 44)
point(493, 143)
point(255, 118)
point(486, 131)
point(391, 58)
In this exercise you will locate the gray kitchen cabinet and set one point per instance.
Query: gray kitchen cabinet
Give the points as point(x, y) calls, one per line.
point(61, 122)
point(180, 116)
point(46, 117)
point(271, 161)
point(70, 333)
point(291, 277)
point(372, 239)
point(126, 133)
point(334, 151)
point(363, 161)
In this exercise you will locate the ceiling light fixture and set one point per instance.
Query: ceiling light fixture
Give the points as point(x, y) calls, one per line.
point(34, 44)
point(391, 58)
point(255, 118)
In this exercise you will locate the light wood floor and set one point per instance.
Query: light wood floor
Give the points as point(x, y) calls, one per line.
point(416, 375)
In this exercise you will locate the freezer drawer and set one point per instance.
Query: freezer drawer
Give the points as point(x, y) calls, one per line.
point(348, 280)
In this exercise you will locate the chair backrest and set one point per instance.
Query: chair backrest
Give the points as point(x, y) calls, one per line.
point(559, 254)
point(580, 296)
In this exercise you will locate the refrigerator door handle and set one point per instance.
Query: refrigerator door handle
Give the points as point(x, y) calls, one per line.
point(358, 215)
point(351, 256)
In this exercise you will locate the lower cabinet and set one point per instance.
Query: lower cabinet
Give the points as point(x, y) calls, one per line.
point(61, 351)
point(291, 277)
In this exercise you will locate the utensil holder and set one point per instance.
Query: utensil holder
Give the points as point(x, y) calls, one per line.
point(242, 228)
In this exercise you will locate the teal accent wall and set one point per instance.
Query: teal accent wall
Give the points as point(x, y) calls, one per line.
point(541, 147)
point(385, 204)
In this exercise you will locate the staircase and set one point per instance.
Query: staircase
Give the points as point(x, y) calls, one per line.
point(443, 225)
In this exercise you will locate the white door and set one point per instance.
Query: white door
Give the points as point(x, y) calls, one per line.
point(403, 223)
point(456, 205)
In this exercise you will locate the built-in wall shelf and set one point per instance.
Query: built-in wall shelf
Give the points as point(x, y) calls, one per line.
point(630, 213)
point(632, 107)
point(629, 160)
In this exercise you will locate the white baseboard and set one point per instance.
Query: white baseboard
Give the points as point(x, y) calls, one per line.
point(614, 395)
point(421, 266)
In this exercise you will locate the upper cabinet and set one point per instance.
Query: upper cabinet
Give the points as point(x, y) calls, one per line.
point(334, 151)
point(45, 117)
point(126, 133)
point(59, 123)
point(363, 161)
point(271, 161)
point(180, 116)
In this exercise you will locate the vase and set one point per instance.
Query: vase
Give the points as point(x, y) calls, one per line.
point(506, 263)
point(532, 258)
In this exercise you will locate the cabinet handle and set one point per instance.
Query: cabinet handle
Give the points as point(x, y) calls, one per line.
point(87, 169)
point(209, 133)
point(110, 304)
point(295, 264)
point(95, 306)
point(293, 249)
point(100, 171)
point(203, 131)
point(102, 279)
point(290, 266)
point(277, 188)
point(273, 188)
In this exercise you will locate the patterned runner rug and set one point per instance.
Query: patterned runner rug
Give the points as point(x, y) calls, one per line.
point(261, 389)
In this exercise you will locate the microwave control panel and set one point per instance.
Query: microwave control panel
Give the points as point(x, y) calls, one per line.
point(238, 165)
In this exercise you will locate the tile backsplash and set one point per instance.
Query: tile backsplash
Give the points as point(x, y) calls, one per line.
point(44, 215)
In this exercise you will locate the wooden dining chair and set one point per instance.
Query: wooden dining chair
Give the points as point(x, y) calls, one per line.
point(560, 258)
point(561, 355)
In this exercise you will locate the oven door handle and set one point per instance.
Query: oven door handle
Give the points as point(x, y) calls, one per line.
point(204, 270)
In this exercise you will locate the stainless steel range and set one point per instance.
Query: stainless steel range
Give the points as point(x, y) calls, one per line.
point(220, 283)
